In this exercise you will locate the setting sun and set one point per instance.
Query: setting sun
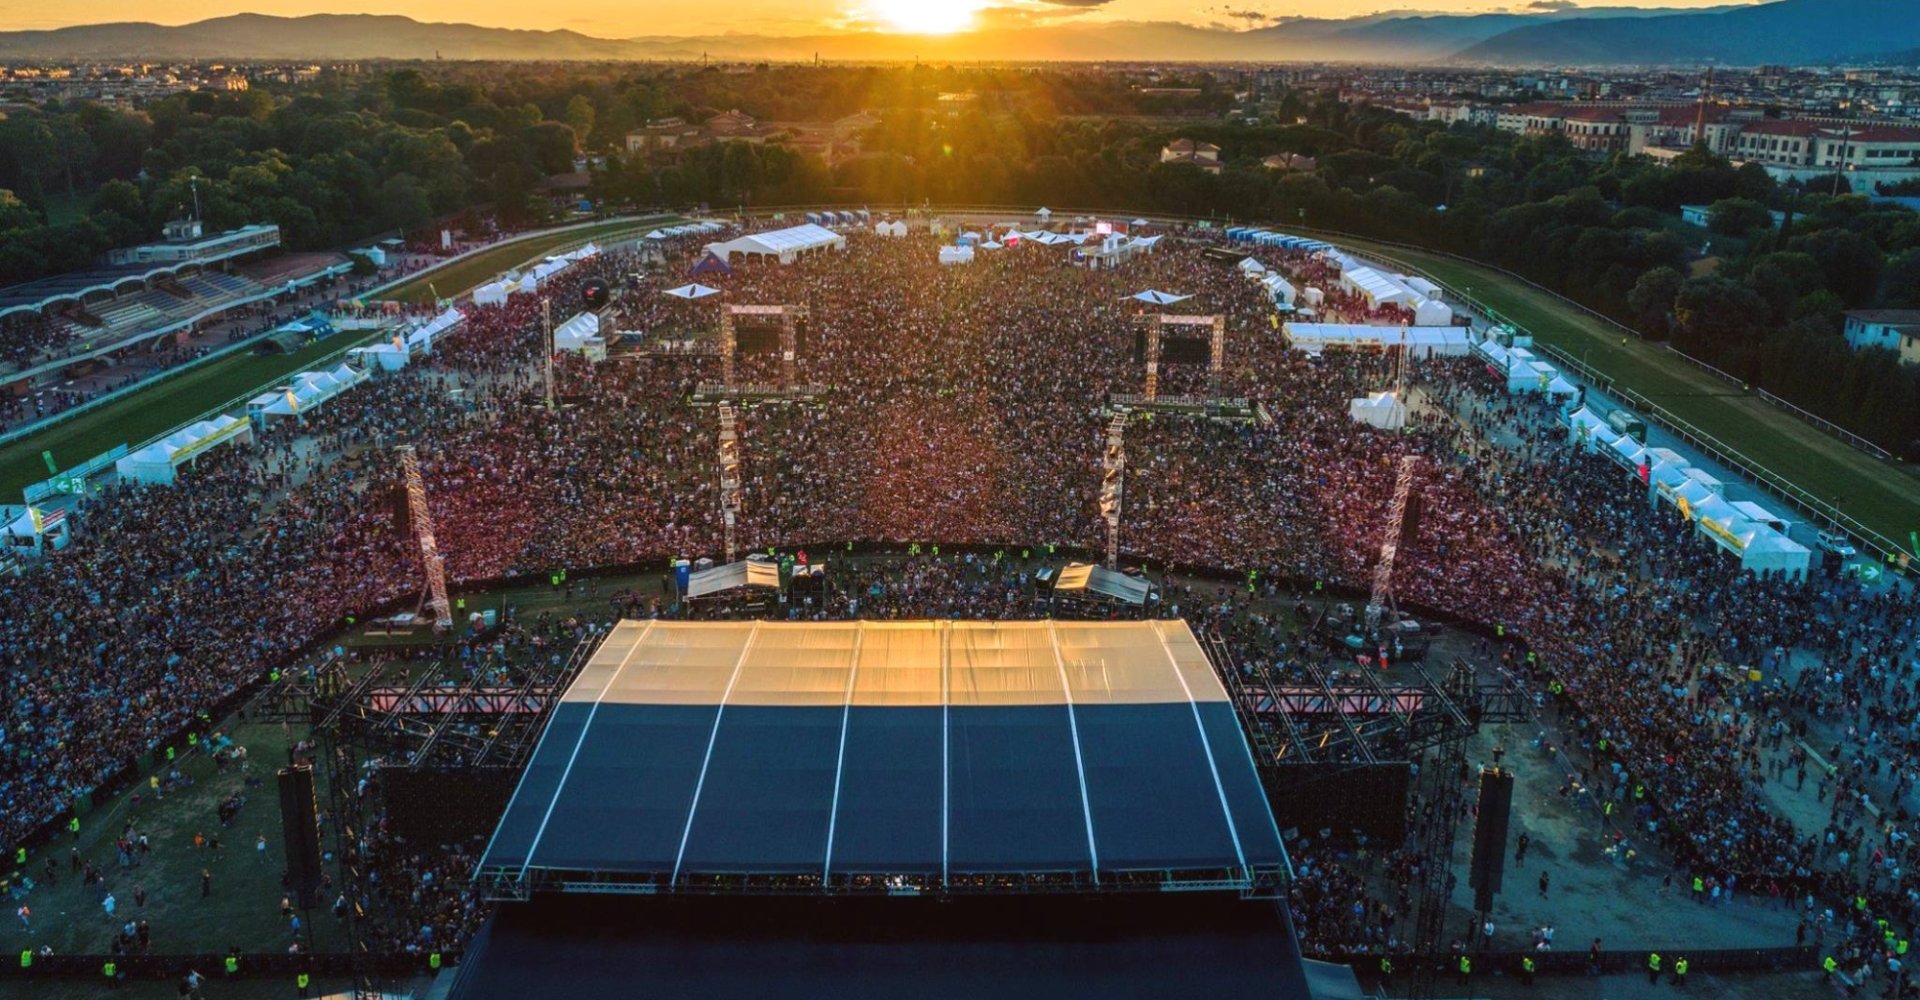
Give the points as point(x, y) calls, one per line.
point(923, 17)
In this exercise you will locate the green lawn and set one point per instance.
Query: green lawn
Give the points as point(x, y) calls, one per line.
point(1881, 495)
point(147, 413)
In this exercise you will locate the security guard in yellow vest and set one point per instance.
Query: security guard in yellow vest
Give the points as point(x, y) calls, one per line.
point(1526, 969)
point(1386, 970)
point(232, 964)
point(1827, 967)
point(1653, 967)
point(110, 970)
point(73, 827)
point(1466, 969)
point(433, 963)
point(1680, 972)
point(301, 982)
point(26, 958)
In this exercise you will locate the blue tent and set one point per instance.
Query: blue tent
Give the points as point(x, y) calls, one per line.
point(710, 264)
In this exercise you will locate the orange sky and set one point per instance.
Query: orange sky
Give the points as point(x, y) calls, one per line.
point(609, 18)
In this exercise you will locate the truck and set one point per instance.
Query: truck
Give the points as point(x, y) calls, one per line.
point(1625, 422)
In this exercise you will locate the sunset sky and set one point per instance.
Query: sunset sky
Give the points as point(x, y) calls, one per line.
point(627, 18)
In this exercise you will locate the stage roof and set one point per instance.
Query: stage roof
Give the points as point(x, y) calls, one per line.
point(1096, 755)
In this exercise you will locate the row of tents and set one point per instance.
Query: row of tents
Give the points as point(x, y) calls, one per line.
point(1747, 530)
point(1524, 371)
point(159, 462)
point(686, 229)
point(494, 293)
point(852, 217)
point(1269, 238)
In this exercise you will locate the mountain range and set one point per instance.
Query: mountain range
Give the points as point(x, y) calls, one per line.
point(1784, 31)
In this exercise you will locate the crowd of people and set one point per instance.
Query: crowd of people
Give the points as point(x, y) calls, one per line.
point(966, 405)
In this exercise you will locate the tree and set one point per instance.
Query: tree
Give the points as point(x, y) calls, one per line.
point(1850, 261)
point(1719, 321)
point(1652, 300)
point(1900, 281)
point(580, 117)
point(1738, 217)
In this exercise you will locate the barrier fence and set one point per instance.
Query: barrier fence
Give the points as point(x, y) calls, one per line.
point(253, 965)
point(1565, 963)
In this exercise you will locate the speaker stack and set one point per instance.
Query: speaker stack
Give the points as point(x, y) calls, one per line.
point(1488, 866)
point(300, 830)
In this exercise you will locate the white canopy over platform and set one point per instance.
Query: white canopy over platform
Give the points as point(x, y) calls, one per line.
point(694, 291)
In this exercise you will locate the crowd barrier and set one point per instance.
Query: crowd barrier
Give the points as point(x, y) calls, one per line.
point(265, 965)
point(1579, 962)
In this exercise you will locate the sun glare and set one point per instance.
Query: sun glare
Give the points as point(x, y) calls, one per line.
point(925, 17)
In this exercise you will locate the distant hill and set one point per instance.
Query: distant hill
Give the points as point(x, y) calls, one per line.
point(320, 36)
point(1789, 31)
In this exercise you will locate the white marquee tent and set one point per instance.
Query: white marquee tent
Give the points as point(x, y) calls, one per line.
point(1378, 287)
point(784, 244)
point(1382, 410)
point(956, 255)
point(695, 291)
point(581, 335)
point(894, 228)
point(1154, 296)
point(1432, 312)
point(493, 293)
point(160, 461)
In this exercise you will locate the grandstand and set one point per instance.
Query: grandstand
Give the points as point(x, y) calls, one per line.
point(146, 292)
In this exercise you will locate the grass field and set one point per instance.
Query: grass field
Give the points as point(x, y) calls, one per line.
point(1883, 496)
point(152, 411)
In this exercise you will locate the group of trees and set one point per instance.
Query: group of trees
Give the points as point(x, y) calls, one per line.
point(396, 148)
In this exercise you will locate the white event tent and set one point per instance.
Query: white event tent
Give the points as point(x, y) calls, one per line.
point(160, 461)
point(784, 244)
point(581, 334)
point(1383, 410)
point(695, 291)
point(1420, 341)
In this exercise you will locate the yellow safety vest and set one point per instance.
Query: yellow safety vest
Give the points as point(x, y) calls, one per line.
point(1466, 965)
point(1680, 967)
point(1653, 961)
point(109, 970)
point(433, 961)
point(233, 965)
point(1526, 964)
point(302, 980)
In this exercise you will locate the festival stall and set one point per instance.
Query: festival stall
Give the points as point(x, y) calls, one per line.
point(581, 335)
point(160, 462)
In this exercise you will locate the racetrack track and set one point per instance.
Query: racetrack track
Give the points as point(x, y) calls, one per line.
point(1883, 495)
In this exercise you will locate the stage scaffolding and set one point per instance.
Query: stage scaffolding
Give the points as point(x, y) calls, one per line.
point(786, 316)
point(1310, 731)
point(1157, 325)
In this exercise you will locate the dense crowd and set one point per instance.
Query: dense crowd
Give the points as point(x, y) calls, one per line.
point(965, 405)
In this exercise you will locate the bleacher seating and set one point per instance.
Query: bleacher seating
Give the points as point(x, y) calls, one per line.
point(127, 315)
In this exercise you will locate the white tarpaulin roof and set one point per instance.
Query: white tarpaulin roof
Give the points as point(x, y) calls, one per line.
point(745, 573)
point(157, 462)
point(1769, 550)
point(1383, 410)
point(692, 291)
point(577, 333)
point(781, 243)
point(1160, 298)
point(492, 293)
point(1251, 266)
